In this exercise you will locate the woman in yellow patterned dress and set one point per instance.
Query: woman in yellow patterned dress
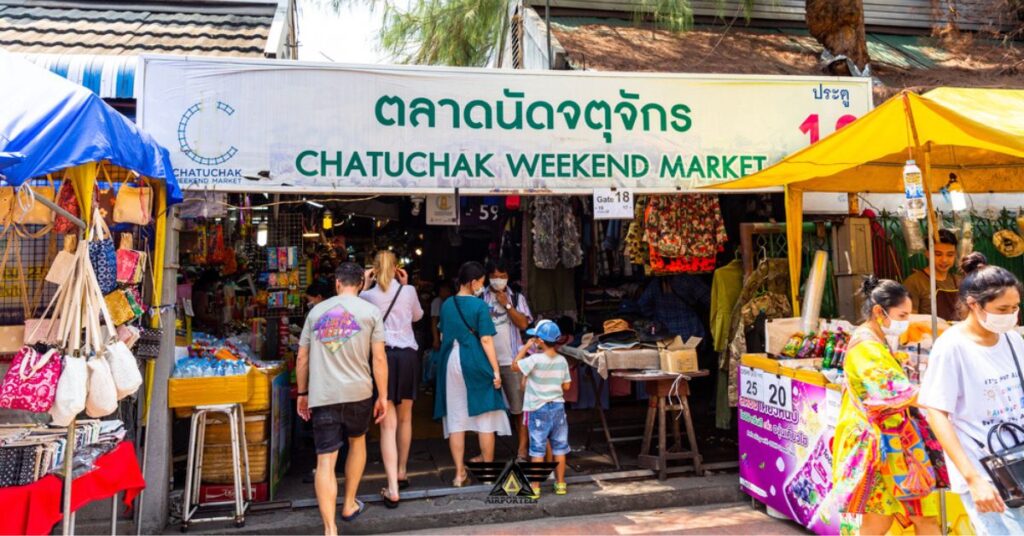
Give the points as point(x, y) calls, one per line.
point(869, 477)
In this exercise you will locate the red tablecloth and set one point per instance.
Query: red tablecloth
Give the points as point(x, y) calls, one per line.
point(36, 508)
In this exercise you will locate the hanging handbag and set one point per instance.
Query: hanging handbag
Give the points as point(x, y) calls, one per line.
point(148, 346)
point(64, 263)
point(29, 211)
point(101, 397)
point(102, 254)
point(134, 204)
point(6, 205)
point(129, 335)
point(31, 382)
point(128, 260)
point(1005, 466)
point(124, 370)
point(904, 464)
point(73, 384)
point(122, 306)
point(67, 199)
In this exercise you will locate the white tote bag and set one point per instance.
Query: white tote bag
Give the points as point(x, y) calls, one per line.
point(102, 398)
point(74, 379)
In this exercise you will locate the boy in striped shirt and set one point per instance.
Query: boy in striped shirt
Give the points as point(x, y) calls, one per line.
point(547, 378)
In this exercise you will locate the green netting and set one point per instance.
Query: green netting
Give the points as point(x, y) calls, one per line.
point(983, 229)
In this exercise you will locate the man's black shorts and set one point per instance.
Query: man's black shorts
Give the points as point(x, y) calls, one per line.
point(332, 424)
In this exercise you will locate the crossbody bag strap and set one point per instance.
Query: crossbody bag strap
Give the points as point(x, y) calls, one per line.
point(1020, 378)
point(455, 299)
point(393, 300)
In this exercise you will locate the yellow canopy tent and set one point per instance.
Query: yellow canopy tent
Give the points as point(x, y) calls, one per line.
point(976, 133)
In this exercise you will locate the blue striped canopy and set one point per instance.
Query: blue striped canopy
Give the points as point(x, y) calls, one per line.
point(56, 124)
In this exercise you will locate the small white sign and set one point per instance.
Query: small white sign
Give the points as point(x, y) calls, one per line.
point(778, 391)
point(833, 402)
point(442, 210)
point(751, 384)
point(614, 204)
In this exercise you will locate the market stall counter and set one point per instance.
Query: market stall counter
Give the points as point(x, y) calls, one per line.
point(788, 411)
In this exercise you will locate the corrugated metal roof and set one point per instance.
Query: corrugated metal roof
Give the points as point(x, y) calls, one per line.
point(110, 77)
point(52, 29)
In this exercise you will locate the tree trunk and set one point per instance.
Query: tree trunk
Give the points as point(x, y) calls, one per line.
point(839, 26)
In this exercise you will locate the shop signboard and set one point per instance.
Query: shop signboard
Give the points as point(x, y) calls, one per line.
point(270, 125)
point(442, 209)
point(786, 428)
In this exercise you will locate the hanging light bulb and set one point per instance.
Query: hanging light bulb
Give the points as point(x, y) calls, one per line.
point(262, 232)
point(328, 222)
point(957, 198)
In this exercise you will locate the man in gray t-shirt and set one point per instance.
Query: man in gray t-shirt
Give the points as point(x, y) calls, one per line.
point(335, 382)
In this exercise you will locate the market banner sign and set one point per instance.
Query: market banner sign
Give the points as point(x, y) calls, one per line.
point(276, 125)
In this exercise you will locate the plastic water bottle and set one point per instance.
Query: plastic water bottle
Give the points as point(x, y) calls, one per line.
point(913, 187)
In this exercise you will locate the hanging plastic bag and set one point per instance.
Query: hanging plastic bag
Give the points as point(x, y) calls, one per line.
point(913, 236)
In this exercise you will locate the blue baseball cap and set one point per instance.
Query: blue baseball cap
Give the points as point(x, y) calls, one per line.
point(546, 330)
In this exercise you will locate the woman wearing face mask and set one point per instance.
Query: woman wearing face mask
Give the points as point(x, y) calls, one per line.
point(879, 394)
point(469, 395)
point(973, 383)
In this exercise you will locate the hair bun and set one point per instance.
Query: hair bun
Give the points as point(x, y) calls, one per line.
point(973, 262)
point(870, 283)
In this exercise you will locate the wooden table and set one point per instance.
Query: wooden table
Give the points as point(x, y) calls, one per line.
point(659, 387)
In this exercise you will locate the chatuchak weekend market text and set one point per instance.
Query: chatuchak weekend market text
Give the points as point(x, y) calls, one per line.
point(598, 116)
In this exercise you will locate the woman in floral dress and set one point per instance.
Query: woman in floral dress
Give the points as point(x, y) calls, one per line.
point(875, 473)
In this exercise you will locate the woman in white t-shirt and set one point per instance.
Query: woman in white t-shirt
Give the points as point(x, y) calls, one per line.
point(400, 307)
point(972, 384)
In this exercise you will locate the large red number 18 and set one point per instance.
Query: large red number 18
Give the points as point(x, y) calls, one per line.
point(812, 125)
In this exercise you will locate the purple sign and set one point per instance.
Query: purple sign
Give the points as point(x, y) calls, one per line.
point(785, 434)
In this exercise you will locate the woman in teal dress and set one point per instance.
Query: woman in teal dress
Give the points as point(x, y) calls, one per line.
point(469, 395)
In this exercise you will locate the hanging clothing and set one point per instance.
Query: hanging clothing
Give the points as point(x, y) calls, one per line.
point(636, 250)
point(878, 393)
point(556, 233)
point(684, 232)
point(725, 291)
point(676, 302)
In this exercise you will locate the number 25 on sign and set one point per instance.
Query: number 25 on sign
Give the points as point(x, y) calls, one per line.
point(812, 125)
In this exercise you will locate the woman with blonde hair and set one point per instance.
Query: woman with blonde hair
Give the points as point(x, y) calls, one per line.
point(388, 288)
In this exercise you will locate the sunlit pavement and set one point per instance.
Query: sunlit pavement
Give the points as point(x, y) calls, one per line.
point(719, 519)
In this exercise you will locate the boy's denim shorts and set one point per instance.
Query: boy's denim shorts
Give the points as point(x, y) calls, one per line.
point(549, 424)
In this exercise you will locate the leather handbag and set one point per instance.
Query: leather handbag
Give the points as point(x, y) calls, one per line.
point(134, 204)
point(6, 205)
point(102, 254)
point(29, 211)
point(67, 199)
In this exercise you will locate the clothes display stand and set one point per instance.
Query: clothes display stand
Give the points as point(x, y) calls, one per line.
point(194, 472)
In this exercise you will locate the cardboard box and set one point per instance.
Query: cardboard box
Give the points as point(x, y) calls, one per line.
point(679, 356)
point(261, 391)
point(215, 493)
point(632, 359)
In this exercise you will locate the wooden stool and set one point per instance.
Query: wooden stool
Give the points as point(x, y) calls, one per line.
point(659, 387)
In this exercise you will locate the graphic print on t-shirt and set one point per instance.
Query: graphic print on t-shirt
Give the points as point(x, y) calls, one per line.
point(335, 327)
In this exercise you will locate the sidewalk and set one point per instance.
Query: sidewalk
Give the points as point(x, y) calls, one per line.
point(470, 508)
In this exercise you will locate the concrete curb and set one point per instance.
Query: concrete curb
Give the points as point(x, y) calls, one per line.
point(455, 511)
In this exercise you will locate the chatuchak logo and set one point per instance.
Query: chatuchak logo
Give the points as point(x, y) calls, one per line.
point(199, 123)
point(512, 480)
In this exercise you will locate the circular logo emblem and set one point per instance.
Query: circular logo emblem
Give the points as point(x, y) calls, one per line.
point(186, 147)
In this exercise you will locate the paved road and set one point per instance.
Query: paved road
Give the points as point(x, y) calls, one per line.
point(710, 520)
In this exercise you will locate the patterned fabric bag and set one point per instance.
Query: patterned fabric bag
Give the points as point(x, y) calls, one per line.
point(102, 254)
point(935, 453)
point(148, 346)
point(905, 467)
point(67, 200)
point(31, 382)
point(129, 261)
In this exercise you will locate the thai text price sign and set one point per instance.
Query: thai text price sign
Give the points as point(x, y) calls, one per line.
point(785, 437)
point(243, 125)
